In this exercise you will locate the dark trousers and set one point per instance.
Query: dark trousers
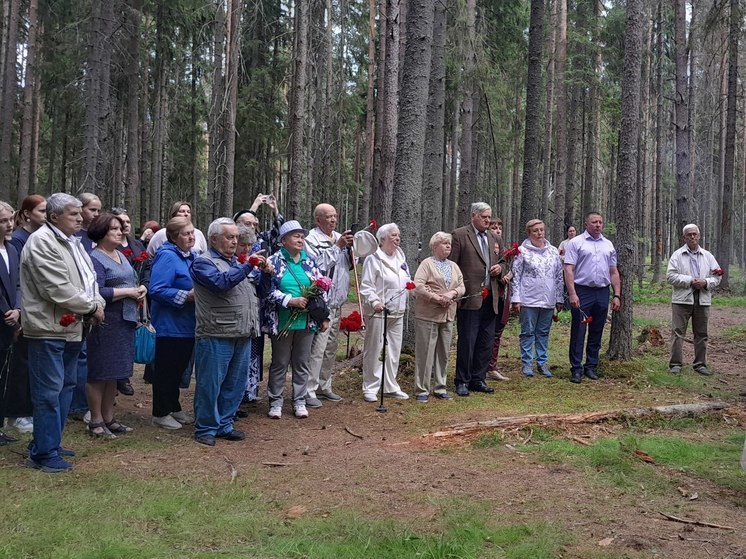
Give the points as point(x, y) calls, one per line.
point(594, 302)
point(14, 382)
point(476, 336)
point(172, 355)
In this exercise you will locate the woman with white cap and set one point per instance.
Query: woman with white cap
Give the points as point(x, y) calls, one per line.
point(384, 284)
point(288, 320)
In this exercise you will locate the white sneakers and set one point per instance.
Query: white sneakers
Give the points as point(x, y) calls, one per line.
point(368, 397)
point(275, 412)
point(300, 411)
point(496, 375)
point(398, 394)
point(182, 417)
point(167, 422)
point(21, 424)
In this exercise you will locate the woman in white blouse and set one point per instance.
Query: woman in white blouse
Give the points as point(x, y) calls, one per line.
point(384, 285)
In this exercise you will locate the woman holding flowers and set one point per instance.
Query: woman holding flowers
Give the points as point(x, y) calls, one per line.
point(537, 292)
point(111, 344)
point(439, 285)
point(292, 315)
point(383, 289)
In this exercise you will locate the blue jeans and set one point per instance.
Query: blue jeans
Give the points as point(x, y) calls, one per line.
point(53, 369)
point(222, 365)
point(80, 402)
point(535, 325)
point(594, 301)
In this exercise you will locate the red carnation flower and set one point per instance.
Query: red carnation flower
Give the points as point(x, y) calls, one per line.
point(373, 225)
point(254, 260)
point(410, 286)
point(555, 318)
point(485, 293)
point(353, 322)
point(127, 252)
point(718, 272)
point(142, 257)
point(587, 320)
point(68, 319)
point(241, 258)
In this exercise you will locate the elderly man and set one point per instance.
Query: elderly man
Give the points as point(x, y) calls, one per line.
point(590, 268)
point(329, 249)
point(473, 252)
point(57, 278)
point(227, 312)
point(694, 273)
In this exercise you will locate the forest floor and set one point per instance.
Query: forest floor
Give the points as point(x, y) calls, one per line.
point(575, 490)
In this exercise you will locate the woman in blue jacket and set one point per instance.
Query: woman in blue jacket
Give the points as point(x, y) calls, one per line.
point(172, 314)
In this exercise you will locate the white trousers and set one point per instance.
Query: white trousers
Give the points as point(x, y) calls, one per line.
point(372, 347)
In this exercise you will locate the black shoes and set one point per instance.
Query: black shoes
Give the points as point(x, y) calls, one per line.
point(462, 390)
point(591, 374)
point(125, 388)
point(208, 440)
point(576, 377)
point(481, 386)
point(234, 435)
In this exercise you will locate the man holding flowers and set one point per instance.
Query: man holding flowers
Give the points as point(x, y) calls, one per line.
point(330, 250)
point(693, 273)
point(227, 313)
point(57, 278)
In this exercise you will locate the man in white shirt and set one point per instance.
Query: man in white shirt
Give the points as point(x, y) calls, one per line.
point(330, 250)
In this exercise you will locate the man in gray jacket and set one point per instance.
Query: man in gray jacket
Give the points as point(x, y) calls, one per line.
point(227, 312)
point(60, 299)
point(694, 273)
point(330, 250)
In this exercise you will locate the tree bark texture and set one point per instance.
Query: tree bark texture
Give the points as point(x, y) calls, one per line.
point(560, 186)
point(530, 191)
point(297, 186)
point(620, 343)
point(29, 87)
point(9, 79)
point(683, 186)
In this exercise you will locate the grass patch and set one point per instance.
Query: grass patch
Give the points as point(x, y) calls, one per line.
point(98, 516)
point(736, 333)
point(613, 461)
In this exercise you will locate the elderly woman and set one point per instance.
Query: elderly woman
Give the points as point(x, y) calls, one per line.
point(111, 345)
point(537, 291)
point(248, 245)
point(172, 313)
point(288, 321)
point(439, 284)
point(384, 286)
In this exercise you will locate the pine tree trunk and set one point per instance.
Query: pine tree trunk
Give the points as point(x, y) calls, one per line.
point(657, 221)
point(466, 181)
point(530, 196)
point(432, 180)
point(726, 234)
point(9, 79)
point(233, 44)
point(27, 126)
point(683, 186)
point(216, 160)
point(297, 185)
point(560, 186)
point(620, 343)
point(363, 214)
point(132, 178)
point(549, 114)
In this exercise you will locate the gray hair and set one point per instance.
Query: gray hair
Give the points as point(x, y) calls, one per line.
point(689, 226)
point(440, 237)
point(217, 226)
point(385, 230)
point(246, 234)
point(58, 202)
point(479, 207)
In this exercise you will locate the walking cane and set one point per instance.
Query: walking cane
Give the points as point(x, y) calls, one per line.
point(381, 408)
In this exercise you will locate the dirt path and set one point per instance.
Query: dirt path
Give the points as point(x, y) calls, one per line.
point(390, 471)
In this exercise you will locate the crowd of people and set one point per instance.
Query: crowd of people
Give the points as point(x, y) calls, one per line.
point(75, 282)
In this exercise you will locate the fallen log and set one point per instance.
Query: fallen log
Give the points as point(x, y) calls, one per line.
point(575, 418)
